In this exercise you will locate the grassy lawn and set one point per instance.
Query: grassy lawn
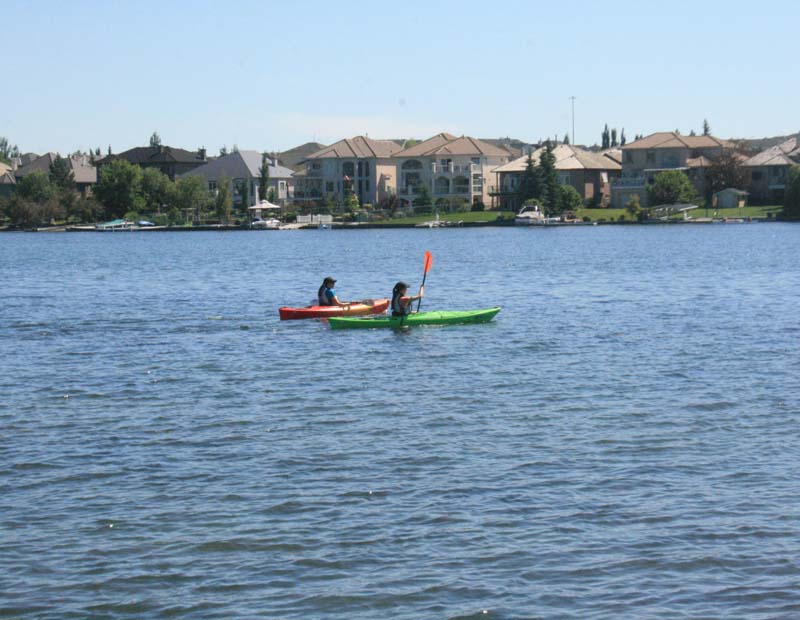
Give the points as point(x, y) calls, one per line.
point(753, 212)
point(467, 216)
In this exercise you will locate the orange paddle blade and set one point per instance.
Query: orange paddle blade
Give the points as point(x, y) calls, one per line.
point(428, 261)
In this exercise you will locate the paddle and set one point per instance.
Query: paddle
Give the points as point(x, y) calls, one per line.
point(426, 269)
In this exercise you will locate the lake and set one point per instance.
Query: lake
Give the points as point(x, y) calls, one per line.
point(620, 442)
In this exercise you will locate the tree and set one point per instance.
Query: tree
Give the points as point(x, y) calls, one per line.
point(614, 142)
point(548, 180)
point(244, 193)
point(35, 187)
point(97, 152)
point(223, 201)
point(351, 202)
point(606, 140)
point(155, 189)
point(529, 184)
point(566, 138)
point(190, 194)
point(568, 198)
point(706, 128)
point(423, 198)
point(725, 171)
point(671, 187)
point(7, 150)
point(634, 208)
point(272, 196)
point(235, 148)
point(223, 151)
point(622, 138)
point(692, 133)
point(263, 177)
point(119, 188)
point(791, 201)
point(109, 149)
point(155, 139)
point(61, 175)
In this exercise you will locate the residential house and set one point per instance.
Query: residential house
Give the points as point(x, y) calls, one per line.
point(7, 180)
point(588, 172)
point(769, 168)
point(171, 161)
point(295, 157)
point(243, 168)
point(360, 165)
point(83, 171)
point(646, 157)
point(452, 168)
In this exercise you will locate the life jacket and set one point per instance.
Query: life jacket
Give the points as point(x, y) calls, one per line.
point(322, 296)
point(397, 308)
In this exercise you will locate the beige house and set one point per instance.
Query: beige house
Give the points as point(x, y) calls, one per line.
point(769, 168)
point(646, 157)
point(83, 170)
point(452, 168)
point(359, 165)
point(588, 172)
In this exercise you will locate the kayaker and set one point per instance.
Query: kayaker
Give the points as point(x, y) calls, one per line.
point(401, 303)
point(326, 296)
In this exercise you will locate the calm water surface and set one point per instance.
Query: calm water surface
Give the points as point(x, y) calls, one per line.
point(622, 442)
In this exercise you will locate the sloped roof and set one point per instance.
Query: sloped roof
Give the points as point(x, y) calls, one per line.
point(294, 157)
point(154, 154)
point(83, 171)
point(4, 167)
point(614, 154)
point(568, 157)
point(237, 165)
point(698, 162)
point(40, 164)
point(7, 179)
point(356, 148)
point(784, 154)
point(672, 140)
point(448, 144)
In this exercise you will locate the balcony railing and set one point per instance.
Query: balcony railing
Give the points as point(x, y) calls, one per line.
point(496, 190)
point(307, 195)
point(628, 182)
point(453, 168)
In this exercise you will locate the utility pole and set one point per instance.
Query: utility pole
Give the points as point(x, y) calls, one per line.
point(574, 140)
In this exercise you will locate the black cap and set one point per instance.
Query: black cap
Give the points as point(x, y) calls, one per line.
point(330, 279)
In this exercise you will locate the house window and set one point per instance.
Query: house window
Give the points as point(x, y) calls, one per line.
point(476, 161)
point(477, 184)
point(651, 157)
point(366, 169)
point(361, 168)
point(212, 186)
point(628, 157)
point(315, 165)
point(366, 185)
point(757, 175)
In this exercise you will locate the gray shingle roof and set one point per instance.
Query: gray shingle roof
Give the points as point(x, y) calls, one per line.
point(237, 165)
point(358, 148)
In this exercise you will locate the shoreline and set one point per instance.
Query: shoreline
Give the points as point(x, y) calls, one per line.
point(375, 225)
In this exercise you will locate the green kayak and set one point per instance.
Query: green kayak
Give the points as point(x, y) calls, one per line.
point(452, 317)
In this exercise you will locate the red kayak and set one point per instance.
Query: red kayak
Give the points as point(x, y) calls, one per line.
point(368, 306)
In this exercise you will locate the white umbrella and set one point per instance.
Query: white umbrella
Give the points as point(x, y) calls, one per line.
point(264, 205)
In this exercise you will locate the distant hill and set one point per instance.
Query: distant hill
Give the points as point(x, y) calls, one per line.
point(293, 157)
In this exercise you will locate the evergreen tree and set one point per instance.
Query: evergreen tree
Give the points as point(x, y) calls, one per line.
point(606, 142)
point(109, 149)
point(548, 180)
point(706, 128)
point(223, 151)
point(35, 187)
point(622, 139)
point(263, 177)
point(119, 188)
point(7, 150)
point(614, 143)
point(155, 139)
point(529, 183)
point(223, 201)
point(61, 174)
point(97, 152)
point(692, 133)
point(791, 204)
point(244, 192)
point(566, 138)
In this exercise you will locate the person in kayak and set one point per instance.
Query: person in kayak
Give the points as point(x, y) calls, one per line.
point(401, 303)
point(326, 296)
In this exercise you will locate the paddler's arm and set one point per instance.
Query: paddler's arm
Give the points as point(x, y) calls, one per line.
point(342, 304)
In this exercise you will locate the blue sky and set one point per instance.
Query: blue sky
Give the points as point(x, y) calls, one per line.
point(271, 75)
